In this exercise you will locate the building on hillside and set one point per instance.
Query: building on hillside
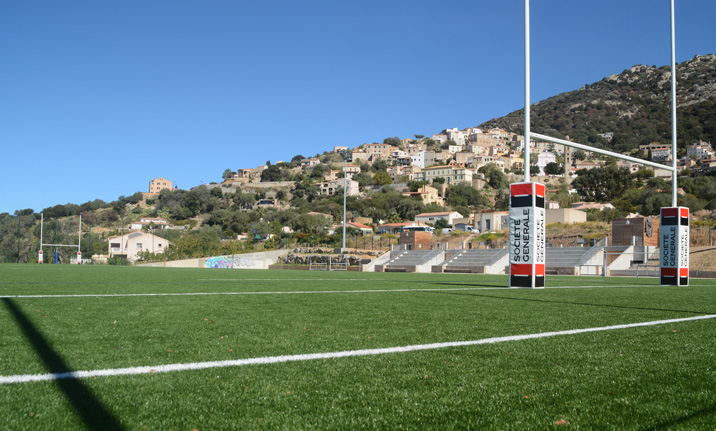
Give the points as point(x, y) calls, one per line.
point(450, 174)
point(423, 159)
point(700, 151)
point(331, 175)
point(149, 222)
point(464, 157)
point(564, 215)
point(492, 221)
point(439, 138)
point(427, 195)
point(379, 151)
point(339, 149)
point(158, 184)
point(544, 159)
point(130, 245)
point(310, 162)
point(396, 172)
point(360, 227)
point(431, 218)
point(661, 154)
point(360, 156)
point(351, 170)
point(329, 188)
point(457, 136)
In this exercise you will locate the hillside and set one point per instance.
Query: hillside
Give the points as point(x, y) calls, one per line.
point(634, 105)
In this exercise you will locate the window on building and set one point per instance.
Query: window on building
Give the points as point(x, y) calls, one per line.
point(139, 245)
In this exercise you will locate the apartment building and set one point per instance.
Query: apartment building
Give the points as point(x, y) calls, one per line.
point(379, 151)
point(423, 159)
point(329, 188)
point(158, 184)
point(700, 150)
point(452, 175)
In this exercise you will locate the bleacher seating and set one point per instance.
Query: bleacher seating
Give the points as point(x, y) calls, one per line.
point(406, 261)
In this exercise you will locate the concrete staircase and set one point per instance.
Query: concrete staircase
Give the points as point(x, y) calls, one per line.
point(412, 261)
point(491, 261)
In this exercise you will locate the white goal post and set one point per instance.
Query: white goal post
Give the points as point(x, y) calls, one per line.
point(527, 199)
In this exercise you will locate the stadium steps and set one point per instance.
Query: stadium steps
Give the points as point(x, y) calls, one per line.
point(413, 261)
point(490, 261)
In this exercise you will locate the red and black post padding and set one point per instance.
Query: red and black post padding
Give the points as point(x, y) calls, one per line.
point(674, 246)
point(527, 235)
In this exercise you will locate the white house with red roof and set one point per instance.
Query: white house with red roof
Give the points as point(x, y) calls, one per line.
point(431, 218)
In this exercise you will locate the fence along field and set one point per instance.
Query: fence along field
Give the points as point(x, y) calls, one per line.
point(603, 379)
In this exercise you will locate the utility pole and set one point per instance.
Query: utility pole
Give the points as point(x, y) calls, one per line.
point(346, 156)
point(19, 220)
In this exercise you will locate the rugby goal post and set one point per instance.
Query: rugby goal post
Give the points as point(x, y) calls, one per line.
point(526, 243)
point(40, 257)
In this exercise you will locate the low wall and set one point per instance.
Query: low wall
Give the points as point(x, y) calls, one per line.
point(260, 260)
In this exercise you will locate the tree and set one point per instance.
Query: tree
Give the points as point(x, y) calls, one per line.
point(603, 184)
point(395, 141)
point(271, 173)
point(441, 223)
point(244, 200)
point(463, 194)
point(553, 168)
point(306, 223)
point(379, 165)
point(382, 178)
point(363, 179)
point(227, 174)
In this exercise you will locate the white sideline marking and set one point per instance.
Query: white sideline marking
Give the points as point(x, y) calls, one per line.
point(301, 292)
point(288, 279)
point(100, 295)
point(25, 378)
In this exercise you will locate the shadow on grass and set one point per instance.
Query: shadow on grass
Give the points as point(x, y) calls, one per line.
point(92, 412)
point(551, 301)
point(675, 422)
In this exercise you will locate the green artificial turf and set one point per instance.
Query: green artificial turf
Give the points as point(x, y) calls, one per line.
point(656, 377)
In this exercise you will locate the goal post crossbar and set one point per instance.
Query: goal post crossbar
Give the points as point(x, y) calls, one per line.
point(61, 245)
point(600, 151)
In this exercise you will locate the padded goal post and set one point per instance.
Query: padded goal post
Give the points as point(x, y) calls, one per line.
point(527, 235)
point(674, 246)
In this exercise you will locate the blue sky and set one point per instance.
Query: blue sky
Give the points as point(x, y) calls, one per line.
point(99, 97)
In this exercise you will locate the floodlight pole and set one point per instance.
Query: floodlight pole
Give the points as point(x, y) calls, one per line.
point(79, 242)
point(673, 108)
point(19, 224)
point(527, 92)
point(42, 225)
point(345, 186)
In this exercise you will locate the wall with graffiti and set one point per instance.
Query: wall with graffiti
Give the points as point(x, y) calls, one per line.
point(219, 262)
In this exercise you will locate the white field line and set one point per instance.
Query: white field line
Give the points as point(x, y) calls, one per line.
point(297, 292)
point(26, 378)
